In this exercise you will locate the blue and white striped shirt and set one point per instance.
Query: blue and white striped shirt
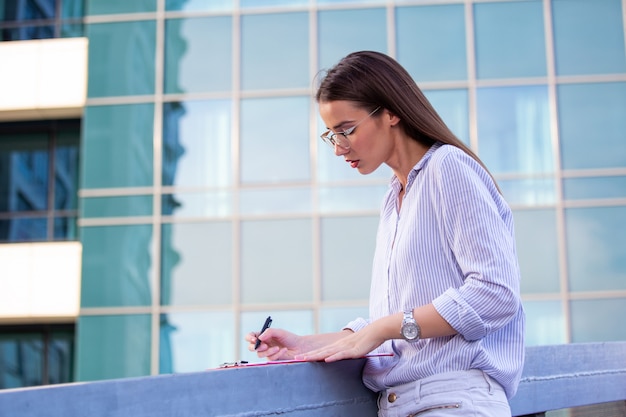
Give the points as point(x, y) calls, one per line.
point(451, 244)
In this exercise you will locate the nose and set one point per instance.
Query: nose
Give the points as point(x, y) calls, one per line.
point(340, 150)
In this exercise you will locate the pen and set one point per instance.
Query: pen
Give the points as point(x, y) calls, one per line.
point(266, 325)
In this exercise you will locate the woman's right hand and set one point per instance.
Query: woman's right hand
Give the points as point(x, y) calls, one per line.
point(276, 344)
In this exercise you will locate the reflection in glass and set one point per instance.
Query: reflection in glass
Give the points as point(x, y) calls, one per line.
point(198, 54)
point(197, 143)
point(116, 266)
point(594, 188)
point(589, 318)
point(65, 228)
point(452, 106)
point(514, 129)
point(23, 229)
point(592, 125)
point(333, 319)
point(275, 140)
point(274, 201)
point(134, 205)
point(345, 239)
point(276, 261)
point(545, 323)
point(196, 263)
point(529, 191)
point(596, 248)
point(210, 204)
point(199, 5)
point(95, 7)
point(264, 3)
point(111, 347)
point(27, 32)
point(66, 163)
point(361, 29)
point(431, 42)
point(196, 341)
point(354, 198)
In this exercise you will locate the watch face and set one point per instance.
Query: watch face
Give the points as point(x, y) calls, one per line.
point(410, 331)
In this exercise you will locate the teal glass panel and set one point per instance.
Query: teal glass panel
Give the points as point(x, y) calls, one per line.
point(272, 201)
point(271, 153)
point(198, 54)
point(353, 198)
point(296, 321)
point(529, 191)
point(276, 261)
point(588, 37)
point(510, 39)
point(23, 229)
point(134, 205)
point(117, 146)
point(121, 58)
point(245, 4)
point(263, 66)
point(514, 129)
point(215, 204)
point(333, 319)
point(197, 144)
point(599, 320)
point(96, 7)
point(594, 188)
point(117, 266)
point(72, 9)
point(592, 125)
point(545, 323)
point(196, 263)
point(22, 357)
point(453, 108)
point(537, 250)
point(60, 356)
point(431, 42)
point(111, 347)
point(188, 344)
point(65, 228)
point(72, 30)
point(199, 5)
point(345, 239)
point(66, 164)
point(364, 29)
point(596, 248)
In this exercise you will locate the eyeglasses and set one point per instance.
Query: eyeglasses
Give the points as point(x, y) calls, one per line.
point(341, 138)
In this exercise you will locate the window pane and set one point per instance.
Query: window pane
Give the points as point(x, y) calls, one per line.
point(21, 360)
point(598, 320)
point(596, 247)
point(209, 204)
point(270, 152)
point(198, 54)
point(453, 107)
point(510, 39)
point(188, 344)
point(276, 261)
point(61, 357)
point(16, 11)
point(95, 7)
point(65, 228)
point(121, 58)
point(136, 205)
point(275, 201)
point(262, 66)
point(592, 112)
point(545, 323)
point(116, 267)
point(431, 42)
point(197, 143)
point(364, 29)
point(599, 48)
point(66, 163)
point(537, 250)
point(111, 347)
point(514, 129)
point(345, 239)
point(196, 263)
point(73, 9)
point(117, 146)
point(594, 188)
point(264, 3)
point(27, 32)
point(332, 319)
point(24, 229)
point(199, 5)
point(529, 191)
point(354, 198)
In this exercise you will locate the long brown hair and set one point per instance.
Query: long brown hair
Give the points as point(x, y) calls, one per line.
point(371, 79)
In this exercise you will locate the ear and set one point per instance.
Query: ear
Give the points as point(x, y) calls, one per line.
point(391, 118)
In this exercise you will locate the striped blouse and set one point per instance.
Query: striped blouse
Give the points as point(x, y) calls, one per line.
point(451, 244)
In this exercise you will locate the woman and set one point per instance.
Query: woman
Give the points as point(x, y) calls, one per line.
point(444, 296)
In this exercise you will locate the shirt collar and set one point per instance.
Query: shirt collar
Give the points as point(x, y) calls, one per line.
point(395, 182)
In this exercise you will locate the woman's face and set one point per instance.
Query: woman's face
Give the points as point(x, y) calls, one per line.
point(370, 144)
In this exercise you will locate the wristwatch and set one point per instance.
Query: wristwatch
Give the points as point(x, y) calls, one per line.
point(410, 330)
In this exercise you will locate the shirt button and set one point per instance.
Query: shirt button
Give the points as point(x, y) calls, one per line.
point(392, 397)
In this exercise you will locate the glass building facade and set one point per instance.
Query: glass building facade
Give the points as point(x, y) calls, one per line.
point(207, 201)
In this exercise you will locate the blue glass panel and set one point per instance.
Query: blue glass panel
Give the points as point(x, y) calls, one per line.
point(594, 188)
point(198, 54)
point(198, 204)
point(199, 5)
point(276, 261)
point(354, 198)
point(333, 319)
point(24, 229)
point(275, 201)
point(22, 360)
point(189, 345)
point(537, 250)
point(16, 11)
point(529, 191)
point(510, 39)
point(66, 164)
point(117, 146)
point(244, 4)
point(135, 205)
point(72, 9)
point(364, 29)
point(263, 66)
point(116, 267)
point(596, 248)
point(345, 239)
point(196, 263)
point(121, 58)
point(27, 33)
point(95, 7)
point(275, 140)
point(431, 42)
point(588, 37)
point(592, 125)
point(453, 108)
point(111, 347)
point(598, 320)
point(514, 129)
point(347, 1)
point(197, 143)
point(65, 228)
point(545, 323)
